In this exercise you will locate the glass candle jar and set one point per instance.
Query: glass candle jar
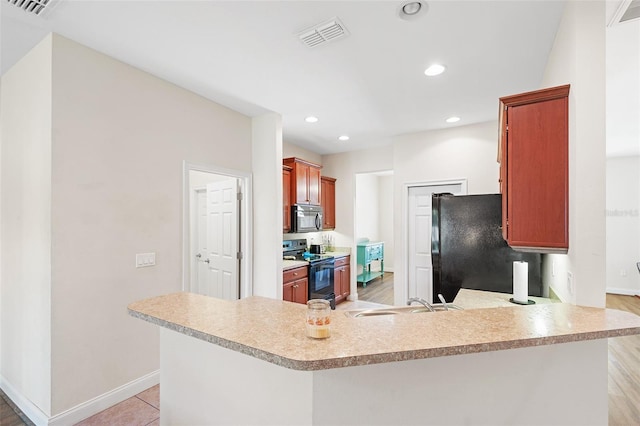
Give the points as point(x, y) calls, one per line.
point(318, 318)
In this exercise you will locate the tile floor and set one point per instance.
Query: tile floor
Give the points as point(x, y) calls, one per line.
point(140, 410)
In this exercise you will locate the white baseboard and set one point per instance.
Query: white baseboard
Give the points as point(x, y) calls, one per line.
point(35, 414)
point(624, 291)
point(84, 410)
point(106, 400)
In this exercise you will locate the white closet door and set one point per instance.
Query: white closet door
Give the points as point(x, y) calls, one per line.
point(420, 279)
point(222, 240)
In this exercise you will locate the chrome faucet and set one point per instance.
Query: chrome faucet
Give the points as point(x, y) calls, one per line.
point(422, 302)
point(444, 302)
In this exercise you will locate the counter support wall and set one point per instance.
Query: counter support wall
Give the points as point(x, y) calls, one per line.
point(202, 383)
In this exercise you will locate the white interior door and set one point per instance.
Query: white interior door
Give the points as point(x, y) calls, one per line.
point(200, 270)
point(420, 269)
point(222, 240)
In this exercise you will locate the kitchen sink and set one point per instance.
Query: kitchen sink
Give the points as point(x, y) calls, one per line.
point(399, 310)
point(370, 313)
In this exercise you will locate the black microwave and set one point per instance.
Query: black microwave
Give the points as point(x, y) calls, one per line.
point(306, 218)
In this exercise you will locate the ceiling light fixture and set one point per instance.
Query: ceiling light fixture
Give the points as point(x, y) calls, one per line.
point(452, 119)
point(343, 138)
point(434, 69)
point(412, 9)
point(311, 119)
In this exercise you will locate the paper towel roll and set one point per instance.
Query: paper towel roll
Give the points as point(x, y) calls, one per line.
point(521, 281)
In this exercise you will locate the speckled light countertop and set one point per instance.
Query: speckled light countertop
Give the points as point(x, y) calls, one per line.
point(339, 253)
point(274, 330)
point(291, 264)
point(477, 299)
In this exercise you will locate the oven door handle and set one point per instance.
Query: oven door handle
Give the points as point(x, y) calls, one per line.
point(318, 221)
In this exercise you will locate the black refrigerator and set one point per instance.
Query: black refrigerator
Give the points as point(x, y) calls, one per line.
point(467, 248)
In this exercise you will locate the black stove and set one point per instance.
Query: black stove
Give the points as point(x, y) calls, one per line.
point(320, 269)
point(298, 250)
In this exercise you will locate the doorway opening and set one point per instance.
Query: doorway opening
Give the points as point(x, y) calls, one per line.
point(373, 234)
point(216, 232)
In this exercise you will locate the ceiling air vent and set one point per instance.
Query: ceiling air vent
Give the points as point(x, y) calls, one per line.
point(319, 34)
point(632, 12)
point(627, 11)
point(36, 7)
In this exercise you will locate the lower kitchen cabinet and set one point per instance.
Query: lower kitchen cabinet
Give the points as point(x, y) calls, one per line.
point(295, 285)
point(342, 278)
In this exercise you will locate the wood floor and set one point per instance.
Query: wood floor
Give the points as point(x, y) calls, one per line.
point(380, 290)
point(9, 413)
point(624, 368)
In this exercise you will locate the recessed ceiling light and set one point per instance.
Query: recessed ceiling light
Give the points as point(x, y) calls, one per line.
point(412, 9)
point(343, 138)
point(452, 119)
point(311, 119)
point(435, 69)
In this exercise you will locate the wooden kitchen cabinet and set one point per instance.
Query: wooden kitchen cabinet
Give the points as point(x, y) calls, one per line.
point(305, 181)
point(295, 285)
point(342, 278)
point(328, 201)
point(533, 152)
point(286, 199)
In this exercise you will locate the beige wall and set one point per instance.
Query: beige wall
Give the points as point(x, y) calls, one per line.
point(578, 58)
point(623, 223)
point(267, 178)
point(119, 139)
point(460, 152)
point(291, 150)
point(385, 215)
point(465, 152)
point(367, 198)
point(199, 180)
point(25, 281)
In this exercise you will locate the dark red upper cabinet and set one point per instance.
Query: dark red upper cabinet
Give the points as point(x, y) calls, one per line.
point(533, 152)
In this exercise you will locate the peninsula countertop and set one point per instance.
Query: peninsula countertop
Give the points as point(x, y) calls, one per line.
point(274, 330)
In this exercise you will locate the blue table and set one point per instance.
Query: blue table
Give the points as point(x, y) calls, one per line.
point(368, 252)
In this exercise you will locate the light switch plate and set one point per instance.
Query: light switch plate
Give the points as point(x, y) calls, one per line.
point(145, 259)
